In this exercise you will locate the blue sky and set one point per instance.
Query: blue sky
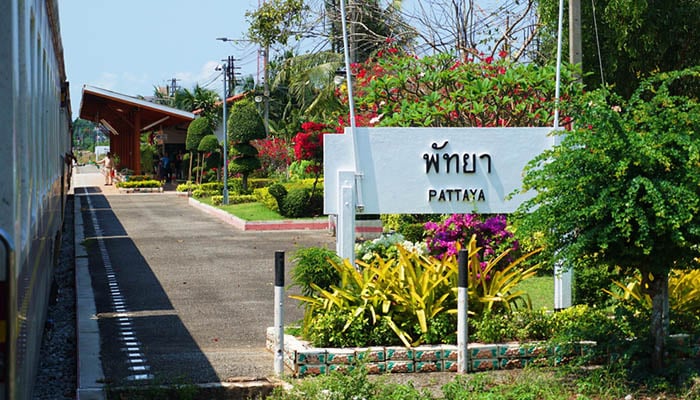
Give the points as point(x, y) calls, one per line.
point(130, 46)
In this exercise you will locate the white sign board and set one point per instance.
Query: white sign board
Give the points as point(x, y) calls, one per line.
point(434, 170)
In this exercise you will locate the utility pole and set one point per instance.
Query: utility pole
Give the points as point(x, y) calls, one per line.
point(575, 47)
point(231, 75)
point(173, 87)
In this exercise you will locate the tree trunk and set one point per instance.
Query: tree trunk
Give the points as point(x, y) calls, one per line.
point(659, 321)
point(189, 173)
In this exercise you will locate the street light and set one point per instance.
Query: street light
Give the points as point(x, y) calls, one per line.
point(224, 69)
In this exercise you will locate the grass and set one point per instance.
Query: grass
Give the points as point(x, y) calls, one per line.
point(246, 211)
point(541, 291)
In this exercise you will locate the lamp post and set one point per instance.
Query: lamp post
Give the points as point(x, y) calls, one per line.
point(224, 69)
point(225, 122)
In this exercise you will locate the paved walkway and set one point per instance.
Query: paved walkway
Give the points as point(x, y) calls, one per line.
point(169, 294)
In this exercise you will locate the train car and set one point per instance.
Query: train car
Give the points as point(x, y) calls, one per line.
point(35, 150)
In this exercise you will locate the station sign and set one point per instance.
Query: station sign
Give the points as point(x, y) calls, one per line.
point(434, 170)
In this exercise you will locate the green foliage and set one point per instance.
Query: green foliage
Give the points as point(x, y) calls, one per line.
point(209, 143)
point(147, 155)
point(218, 200)
point(299, 169)
point(398, 89)
point(631, 169)
point(245, 123)
point(300, 202)
point(636, 39)
point(312, 265)
point(263, 196)
point(408, 292)
point(243, 149)
point(684, 298)
point(411, 226)
point(243, 165)
point(275, 21)
point(591, 282)
point(279, 192)
point(196, 131)
point(140, 184)
point(186, 187)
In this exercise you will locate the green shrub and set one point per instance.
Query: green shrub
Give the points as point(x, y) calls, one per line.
point(186, 187)
point(263, 196)
point(408, 292)
point(590, 285)
point(217, 200)
point(494, 328)
point(279, 192)
point(313, 265)
point(413, 232)
point(300, 203)
point(296, 203)
point(212, 187)
point(241, 198)
point(140, 184)
point(136, 178)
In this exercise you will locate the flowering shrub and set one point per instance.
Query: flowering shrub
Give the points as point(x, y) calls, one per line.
point(385, 246)
point(400, 89)
point(308, 145)
point(274, 154)
point(447, 237)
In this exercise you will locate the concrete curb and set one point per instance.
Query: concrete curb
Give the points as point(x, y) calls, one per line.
point(283, 225)
point(90, 375)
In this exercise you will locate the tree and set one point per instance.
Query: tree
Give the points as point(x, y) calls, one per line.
point(209, 146)
point(623, 188)
point(275, 21)
point(469, 27)
point(244, 125)
point(198, 129)
point(370, 24)
point(306, 88)
point(637, 38)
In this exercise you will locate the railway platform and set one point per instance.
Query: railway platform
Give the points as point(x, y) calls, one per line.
point(169, 295)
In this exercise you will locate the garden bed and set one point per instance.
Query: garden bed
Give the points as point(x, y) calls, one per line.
point(305, 360)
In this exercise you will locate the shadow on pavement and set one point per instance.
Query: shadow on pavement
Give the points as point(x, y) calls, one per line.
point(145, 341)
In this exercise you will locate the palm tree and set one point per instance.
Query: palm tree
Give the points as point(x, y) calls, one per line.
point(305, 88)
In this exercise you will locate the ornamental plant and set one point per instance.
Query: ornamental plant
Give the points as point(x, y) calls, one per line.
point(454, 232)
point(623, 189)
point(274, 155)
point(399, 89)
point(244, 126)
point(411, 295)
point(308, 145)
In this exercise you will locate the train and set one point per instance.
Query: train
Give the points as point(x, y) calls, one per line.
point(35, 168)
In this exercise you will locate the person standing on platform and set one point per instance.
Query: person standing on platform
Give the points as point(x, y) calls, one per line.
point(108, 164)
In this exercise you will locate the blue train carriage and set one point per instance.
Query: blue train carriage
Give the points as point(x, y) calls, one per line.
point(35, 148)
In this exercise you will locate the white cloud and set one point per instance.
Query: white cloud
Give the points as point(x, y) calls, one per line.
point(206, 77)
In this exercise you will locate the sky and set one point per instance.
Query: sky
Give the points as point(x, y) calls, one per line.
point(131, 46)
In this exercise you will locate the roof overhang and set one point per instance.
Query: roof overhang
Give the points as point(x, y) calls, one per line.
point(118, 111)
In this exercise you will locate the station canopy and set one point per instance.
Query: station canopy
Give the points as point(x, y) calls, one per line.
point(126, 118)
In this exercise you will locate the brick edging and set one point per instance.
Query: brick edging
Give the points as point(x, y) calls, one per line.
point(306, 360)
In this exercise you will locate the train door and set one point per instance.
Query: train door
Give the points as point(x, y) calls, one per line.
point(4, 312)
